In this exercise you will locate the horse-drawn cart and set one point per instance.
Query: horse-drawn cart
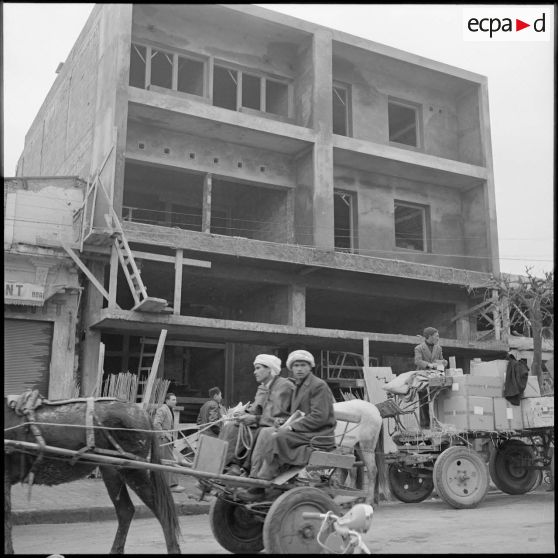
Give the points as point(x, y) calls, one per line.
point(459, 463)
point(275, 522)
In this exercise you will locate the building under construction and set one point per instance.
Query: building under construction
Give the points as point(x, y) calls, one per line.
point(256, 183)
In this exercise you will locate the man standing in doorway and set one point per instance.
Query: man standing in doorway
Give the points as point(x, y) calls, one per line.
point(164, 422)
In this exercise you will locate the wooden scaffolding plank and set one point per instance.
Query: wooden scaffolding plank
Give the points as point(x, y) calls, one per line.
point(150, 304)
point(154, 367)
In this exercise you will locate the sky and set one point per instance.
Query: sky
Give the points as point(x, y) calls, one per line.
point(520, 85)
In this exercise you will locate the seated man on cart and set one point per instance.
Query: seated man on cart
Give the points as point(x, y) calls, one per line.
point(271, 401)
point(428, 356)
point(291, 443)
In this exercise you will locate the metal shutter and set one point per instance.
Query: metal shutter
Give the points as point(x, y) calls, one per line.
point(27, 346)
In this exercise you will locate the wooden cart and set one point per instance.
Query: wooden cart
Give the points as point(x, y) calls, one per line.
point(275, 523)
point(459, 464)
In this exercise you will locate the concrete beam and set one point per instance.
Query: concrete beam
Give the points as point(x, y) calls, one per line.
point(255, 249)
point(278, 335)
point(178, 114)
point(393, 161)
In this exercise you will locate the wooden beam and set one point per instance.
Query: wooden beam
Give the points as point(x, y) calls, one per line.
point(97, 390)
point(366, 351)
point(153, 371)
point(138, 255)
point(472, 309)
point(132, 464)
point(88, 273)
point(175, 343)
point(177, 282)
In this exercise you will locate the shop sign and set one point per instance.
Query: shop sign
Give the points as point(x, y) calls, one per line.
point(23, 293)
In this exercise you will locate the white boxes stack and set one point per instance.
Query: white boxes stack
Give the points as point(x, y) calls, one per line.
point(534, 411)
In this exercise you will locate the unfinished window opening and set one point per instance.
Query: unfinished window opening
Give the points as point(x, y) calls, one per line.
point(162, 197)
point(251, 91)
point(341, 110)
point(277, 98)
point(225, 83)
point(403, 123)
point(343, 221)
point(190, 76)
point(410, 226)
point(137, 66)
point(161, 68)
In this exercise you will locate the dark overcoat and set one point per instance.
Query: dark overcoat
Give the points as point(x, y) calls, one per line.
point(314, 431)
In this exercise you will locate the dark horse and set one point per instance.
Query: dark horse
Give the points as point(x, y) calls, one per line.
point(67, 430)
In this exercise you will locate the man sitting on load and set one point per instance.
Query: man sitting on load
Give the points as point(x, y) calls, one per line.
point(428, 356)
point(292, 442)
point(272, 400)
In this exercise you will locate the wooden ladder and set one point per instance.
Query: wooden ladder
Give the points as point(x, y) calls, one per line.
point(142, 302)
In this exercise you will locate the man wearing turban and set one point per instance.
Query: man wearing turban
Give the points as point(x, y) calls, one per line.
point(293, 442)
point(271, 401)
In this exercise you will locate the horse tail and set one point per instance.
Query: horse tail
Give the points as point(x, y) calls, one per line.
point(382, 484)
point(162, 496)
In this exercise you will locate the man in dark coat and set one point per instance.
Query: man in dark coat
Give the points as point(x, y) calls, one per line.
point(293, 442)
point(517, 375)
point(211, 411)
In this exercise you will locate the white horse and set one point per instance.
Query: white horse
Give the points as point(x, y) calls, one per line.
point(366, 437)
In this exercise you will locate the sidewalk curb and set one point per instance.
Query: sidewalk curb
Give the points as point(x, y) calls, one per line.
point(105, 513)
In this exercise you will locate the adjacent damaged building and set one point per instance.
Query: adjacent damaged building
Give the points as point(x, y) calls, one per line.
point(279, 184)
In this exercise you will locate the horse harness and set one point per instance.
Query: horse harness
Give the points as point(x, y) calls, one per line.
point(30, 400)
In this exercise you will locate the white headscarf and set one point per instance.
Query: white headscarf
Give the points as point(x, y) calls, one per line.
point(300, 355)
point(271, 361)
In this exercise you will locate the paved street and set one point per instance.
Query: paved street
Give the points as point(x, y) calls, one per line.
point(503, 524)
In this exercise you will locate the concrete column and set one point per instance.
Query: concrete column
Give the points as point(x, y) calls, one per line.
point(322, 202)
point(93, 302)
point(463, 325)
point(206, 208)
point(113, 280)
point(297, 305)
point(489, 188)
point(229, 371)
point(178, 282)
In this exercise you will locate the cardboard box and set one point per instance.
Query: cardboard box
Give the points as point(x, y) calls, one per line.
point(494, 368)
point(537, 412)
point(480, 386)
point(467, 413)
point(507, 417)
point(532, 389)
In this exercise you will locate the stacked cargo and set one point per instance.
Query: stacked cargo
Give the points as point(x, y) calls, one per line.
point(475, 402)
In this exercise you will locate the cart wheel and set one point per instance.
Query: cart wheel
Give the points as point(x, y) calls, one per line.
point(507, 467)
point(407, 486)
point(235, 528)
point(461, 477)
point(285, 531)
